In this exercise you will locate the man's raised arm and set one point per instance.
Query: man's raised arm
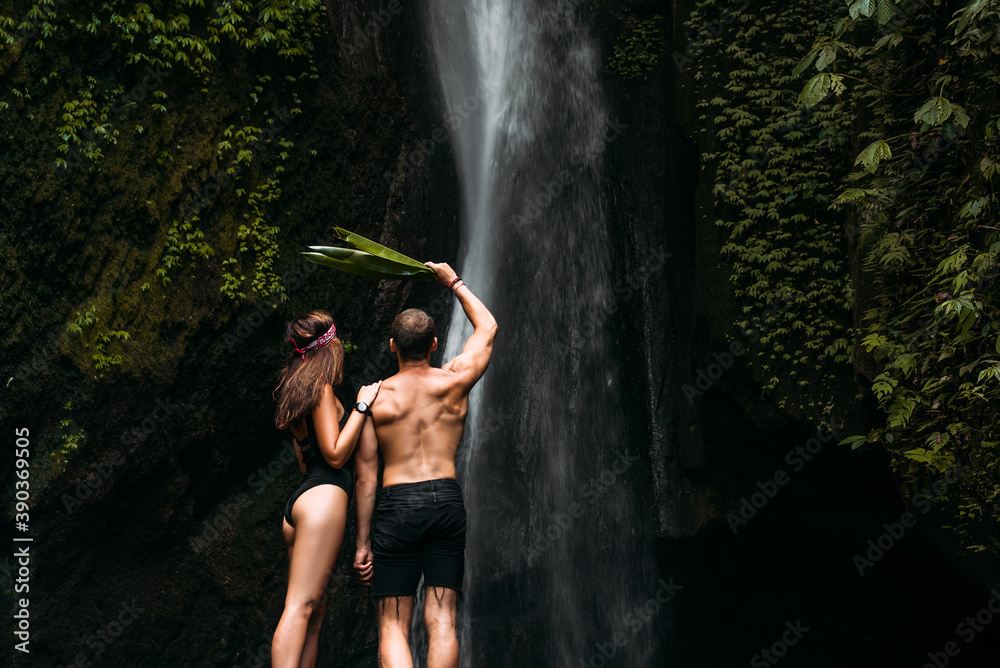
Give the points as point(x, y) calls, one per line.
point(471, 364)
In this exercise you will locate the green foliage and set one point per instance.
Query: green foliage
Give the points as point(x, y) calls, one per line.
point(71, 437)
point(925, 207)
point(255, 231)
point(169, 49)
point(638, 50)
point(99, 342)
point(774, 164)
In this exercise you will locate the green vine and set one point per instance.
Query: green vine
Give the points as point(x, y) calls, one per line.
point(923, 207)
point(775, 167)
point(99, 343)
point(639, 49)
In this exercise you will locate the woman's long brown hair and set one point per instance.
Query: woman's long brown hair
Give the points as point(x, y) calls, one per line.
point(300, 383)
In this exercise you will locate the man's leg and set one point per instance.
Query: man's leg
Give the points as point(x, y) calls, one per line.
point(394, 614)
point(440, 604)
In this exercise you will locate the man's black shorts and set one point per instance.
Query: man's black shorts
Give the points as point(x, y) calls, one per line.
point(418, 528)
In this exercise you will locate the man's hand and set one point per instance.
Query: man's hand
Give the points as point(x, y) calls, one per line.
point(442, 272)
point(363, 564)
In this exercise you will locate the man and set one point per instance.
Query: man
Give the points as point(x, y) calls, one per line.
point(420, 525)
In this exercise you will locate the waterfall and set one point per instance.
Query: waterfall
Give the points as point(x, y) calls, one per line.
point(557, 556)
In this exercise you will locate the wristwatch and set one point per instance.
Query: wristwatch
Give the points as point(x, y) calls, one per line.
point(362, 407)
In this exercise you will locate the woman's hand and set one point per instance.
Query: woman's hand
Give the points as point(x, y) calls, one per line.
point(368, 393)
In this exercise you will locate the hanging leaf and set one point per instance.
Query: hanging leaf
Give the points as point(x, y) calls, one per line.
point(862, 8)
point(872, 155)
point(935, 110)
point(826, 56)
point(885, 11)
point(961, 118)
point(970, 12)
point(816, 88)
point(804, 64)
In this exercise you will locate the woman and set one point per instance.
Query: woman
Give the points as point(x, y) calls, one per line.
point(316, 514)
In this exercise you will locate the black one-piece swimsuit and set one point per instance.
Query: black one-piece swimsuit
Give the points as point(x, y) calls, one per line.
point(318, 472)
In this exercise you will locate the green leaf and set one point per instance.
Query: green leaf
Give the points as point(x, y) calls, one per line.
point(961, 118)
point(935, 110)
point(862, 8)
point(854, 441)
point(872, 155)
point(826, 56)
point(970, 12)
point(365, 264)
point(816, 88)
point(375, 248)
point(885, 11)
point(804, 64)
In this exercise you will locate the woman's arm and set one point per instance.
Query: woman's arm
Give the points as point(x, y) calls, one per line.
point(335, 445)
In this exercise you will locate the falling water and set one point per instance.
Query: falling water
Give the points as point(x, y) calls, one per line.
point(557, 554)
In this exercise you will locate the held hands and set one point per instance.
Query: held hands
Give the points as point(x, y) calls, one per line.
point(443, 272)
point(363, 564)
point(368, 393)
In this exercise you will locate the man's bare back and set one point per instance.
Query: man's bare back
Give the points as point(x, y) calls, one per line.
point(419, 424)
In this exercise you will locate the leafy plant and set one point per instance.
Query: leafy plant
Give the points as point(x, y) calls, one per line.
point(369, 259)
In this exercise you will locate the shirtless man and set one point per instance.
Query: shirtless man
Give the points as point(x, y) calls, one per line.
point(420, 522)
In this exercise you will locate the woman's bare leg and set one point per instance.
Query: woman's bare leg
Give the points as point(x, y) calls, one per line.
point(311, 649)
point(320, 516)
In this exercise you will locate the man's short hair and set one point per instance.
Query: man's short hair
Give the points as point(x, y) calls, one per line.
point(413, 331)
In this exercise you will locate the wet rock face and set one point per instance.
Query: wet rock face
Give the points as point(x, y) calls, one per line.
point(158, 539)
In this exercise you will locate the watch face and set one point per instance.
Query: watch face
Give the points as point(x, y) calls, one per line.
point(362, 406)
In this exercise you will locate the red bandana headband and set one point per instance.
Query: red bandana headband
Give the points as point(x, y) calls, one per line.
point(317, 343)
